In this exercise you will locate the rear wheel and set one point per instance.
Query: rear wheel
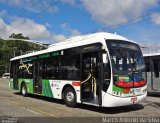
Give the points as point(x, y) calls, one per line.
point(24, 90)
point(70, 97)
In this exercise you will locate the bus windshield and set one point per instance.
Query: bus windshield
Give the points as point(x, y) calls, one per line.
point(127, 63)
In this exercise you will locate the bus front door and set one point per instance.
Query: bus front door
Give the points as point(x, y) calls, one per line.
point(37, 77)
point(90, 78)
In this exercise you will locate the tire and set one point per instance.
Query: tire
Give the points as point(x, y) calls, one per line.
point(70, 97)
point(24, 90)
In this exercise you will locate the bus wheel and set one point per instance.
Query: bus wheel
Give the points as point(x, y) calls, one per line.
point(24, 90)
point(70, 97)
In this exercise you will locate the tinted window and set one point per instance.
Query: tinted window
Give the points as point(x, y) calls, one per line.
point(11, 70)
point(26, 70)
point(51, 68)
point(70, 65)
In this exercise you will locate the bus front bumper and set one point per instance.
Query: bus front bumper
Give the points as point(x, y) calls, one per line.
point(114, 101)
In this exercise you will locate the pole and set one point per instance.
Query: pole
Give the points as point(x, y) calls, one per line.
point(151, 68)
point(14, 53)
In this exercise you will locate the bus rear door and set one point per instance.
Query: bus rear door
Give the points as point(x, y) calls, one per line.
point(37, 77)
point(15, 74)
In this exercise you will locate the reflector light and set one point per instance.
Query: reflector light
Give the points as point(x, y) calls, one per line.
point(76, 83)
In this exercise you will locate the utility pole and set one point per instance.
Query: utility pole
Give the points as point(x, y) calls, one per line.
point(14, 51)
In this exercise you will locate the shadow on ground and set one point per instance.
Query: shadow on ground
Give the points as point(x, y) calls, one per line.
point(106, 110)
point(154, 94)
point(113, 110)
point(39, 97)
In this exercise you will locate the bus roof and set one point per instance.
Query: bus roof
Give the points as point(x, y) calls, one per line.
point(151, 54)
point(76, 41)
point(89, 36)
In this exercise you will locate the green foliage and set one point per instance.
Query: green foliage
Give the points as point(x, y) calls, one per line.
point(18, 36)
point(11, 48)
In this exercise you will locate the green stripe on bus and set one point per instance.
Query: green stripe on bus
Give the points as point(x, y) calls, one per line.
point(29, 84)
point(117, 89)
point(46, 89)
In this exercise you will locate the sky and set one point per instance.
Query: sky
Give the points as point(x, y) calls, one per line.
point(52, 21)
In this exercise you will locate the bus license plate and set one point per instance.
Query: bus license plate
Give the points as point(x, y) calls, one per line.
point(134, 99)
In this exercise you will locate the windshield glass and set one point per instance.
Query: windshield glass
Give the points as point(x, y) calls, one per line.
point(127, 61)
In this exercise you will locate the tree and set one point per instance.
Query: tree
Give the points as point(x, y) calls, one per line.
point(10, 47)
point(18, 36)
point(22, 46)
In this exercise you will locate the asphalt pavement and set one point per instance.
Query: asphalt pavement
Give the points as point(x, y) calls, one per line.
point(36, 109)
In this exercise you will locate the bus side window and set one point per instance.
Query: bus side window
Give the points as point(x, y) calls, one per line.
point(69, 65)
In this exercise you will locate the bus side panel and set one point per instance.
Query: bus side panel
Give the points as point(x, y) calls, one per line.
point(56, 88)
point(46, 89)
point(29, 84)
point(53, 88)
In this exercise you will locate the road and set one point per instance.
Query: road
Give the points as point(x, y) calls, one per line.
point(34, 108)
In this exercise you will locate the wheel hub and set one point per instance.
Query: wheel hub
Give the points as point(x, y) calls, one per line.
point(23, 90)
point(70, 96)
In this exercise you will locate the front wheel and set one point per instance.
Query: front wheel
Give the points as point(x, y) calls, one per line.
point(70, 97)
point(24, 90)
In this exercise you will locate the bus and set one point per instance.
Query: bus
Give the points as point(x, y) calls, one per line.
point(152, 62)
point(99, 69)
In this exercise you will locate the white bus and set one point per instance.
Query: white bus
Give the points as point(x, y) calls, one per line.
point(152, 61)
point(100, 69)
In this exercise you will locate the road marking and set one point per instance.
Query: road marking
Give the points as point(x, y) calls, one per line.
point(35, 110)
point(31, 111)
point(11, 101)
point(43, 112)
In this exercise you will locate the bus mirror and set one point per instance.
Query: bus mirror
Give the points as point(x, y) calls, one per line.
point(105, 60)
